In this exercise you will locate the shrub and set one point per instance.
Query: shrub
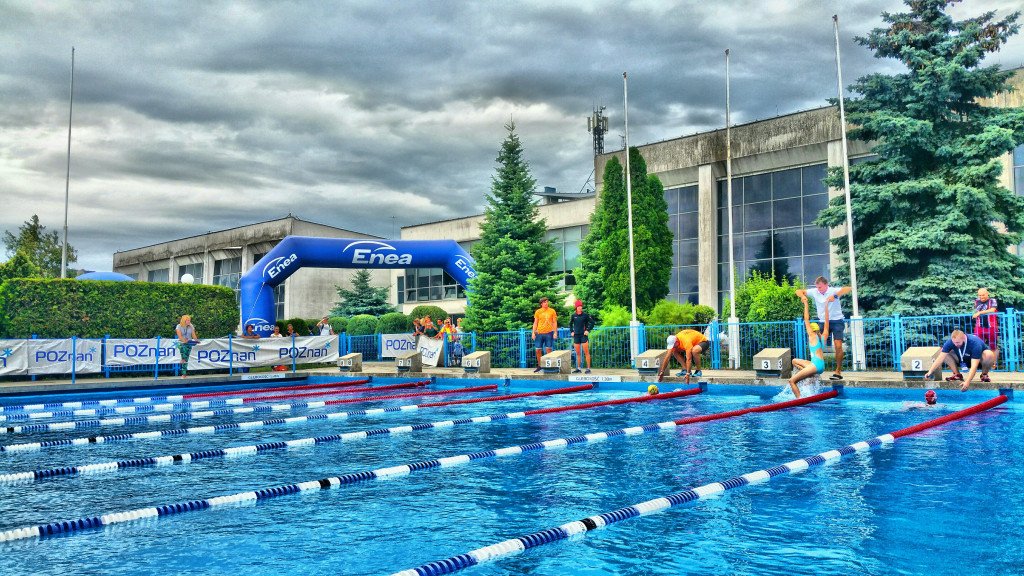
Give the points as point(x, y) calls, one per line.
point(668, 312)
point(300, 325)
point(56, 308)
point(362, 324)
point(436, 313)
point(614, 315)
point(394, 323)
point(339, 323)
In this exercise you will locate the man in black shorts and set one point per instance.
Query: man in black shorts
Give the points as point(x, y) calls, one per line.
point(580, 326)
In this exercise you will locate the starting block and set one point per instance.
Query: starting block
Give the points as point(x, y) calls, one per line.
point(477, 362)
point(556, 362)
point(351, 362)
point(916, 361)
point(648, 363)
point(411, 361)
point(773, 363)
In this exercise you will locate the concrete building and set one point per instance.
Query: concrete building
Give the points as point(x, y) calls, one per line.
point(221, 257)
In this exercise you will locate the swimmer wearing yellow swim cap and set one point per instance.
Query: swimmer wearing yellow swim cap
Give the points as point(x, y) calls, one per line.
point(652, 390)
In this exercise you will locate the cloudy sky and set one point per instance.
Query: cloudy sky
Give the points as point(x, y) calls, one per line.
point(197, 116)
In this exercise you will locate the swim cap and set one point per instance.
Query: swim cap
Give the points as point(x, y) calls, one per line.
point(815, 328)
point(930, 397)
point(652, 389)
point(670, 342)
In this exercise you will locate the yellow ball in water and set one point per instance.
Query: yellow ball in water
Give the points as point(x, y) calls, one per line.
point(652, 389)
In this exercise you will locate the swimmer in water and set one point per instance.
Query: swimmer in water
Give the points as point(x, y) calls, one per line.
point(815, 341)
point(930, 399)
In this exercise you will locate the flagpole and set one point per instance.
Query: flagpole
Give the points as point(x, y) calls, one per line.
point(634, 324)
point(67, 178)
point(734, 328)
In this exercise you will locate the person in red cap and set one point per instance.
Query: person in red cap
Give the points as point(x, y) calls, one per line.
point(930, 398)
point(580, 326)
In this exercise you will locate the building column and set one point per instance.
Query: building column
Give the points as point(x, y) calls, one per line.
point(207, 268)
point(172, 271)
point(835, 160)
point(707, 234)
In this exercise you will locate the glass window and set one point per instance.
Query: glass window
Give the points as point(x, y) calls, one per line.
point(756, 188)
point(815, 266)
point(401, 290)
point(572, 255)
point(786, 213)
point(672, 200)
point(737, 192)
point(788, 243)
point(688, 199)
point(813, 205)
point(757, 216)
point(687, 253)
point(786, 184)
point(1018, 180)
point(673, 224)
point(757, 245)
point(1018, 155)
point(688, 225)
point(688, 279)
point(227, 272)
point(723, 220)
point(813, 179)
point(673, 281)
point(196, 270)
point(815, 240)
point(158, 275)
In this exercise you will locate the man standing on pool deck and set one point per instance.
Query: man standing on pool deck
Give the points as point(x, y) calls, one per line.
point(968, 351)
point(187, 337)
point(825, 295)
point(690, 343)
point(545, 323)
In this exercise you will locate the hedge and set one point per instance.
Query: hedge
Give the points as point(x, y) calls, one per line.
point(436, 313)
point(394, 323)
point(60, 308)
point(362, 325)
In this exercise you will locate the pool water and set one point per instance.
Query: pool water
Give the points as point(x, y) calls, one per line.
point(946, 501)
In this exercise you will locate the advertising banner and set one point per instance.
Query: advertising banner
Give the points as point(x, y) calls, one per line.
point(57, 357)
point(430, 350)
point(13, 357)
point(242, 353)
point(142, 351)
point(394, 344)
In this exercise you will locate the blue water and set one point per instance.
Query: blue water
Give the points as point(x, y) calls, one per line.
point(946, 501)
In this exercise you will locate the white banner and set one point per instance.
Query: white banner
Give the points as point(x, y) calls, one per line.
point(13, 357)
point(243, 353)
point(430, 350)
point(392, 345)
point(141, 351)
point(57, 357)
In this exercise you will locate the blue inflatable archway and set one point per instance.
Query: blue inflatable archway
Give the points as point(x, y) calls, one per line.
point(294, 252)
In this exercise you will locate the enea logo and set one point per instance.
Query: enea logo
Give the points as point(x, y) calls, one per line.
point(461, 264)
point(260, 325)
point(369, 252)
point(278, 265)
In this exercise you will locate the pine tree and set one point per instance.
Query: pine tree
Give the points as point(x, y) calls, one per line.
point(603, 276)
point(19, 266)
point(513, 260)
point(931, 222)
point(42, 248)
point(362, 298)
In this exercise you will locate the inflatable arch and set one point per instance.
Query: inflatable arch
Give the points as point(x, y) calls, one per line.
point(294, 252)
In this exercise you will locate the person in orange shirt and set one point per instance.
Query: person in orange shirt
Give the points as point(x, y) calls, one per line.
point(685, 347)
point(545, 323)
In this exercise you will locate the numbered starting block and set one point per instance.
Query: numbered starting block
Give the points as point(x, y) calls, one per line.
point(773, 363)
point(648, 363)
point(917, 360)
point(409, 362)
point(556, 362)
point(351, 362)
point(478, 362)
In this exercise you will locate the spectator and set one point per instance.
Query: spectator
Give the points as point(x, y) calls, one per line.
point(986, 320)
point(291, 331)
point(825, 295)
point(417, 327)
point(545, 324)
point(685, 347)
point(451, 338)
point(277, 332)
point(580, 326)
point(971, 353)
point(429, 330)
point(324, 328)
point(250, 333)
point(815, 343)
point(187, 338)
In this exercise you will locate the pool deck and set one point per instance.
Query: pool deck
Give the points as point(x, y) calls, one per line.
point(866, 379)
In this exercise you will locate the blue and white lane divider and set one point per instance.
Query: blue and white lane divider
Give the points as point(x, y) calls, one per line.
point(577, 529)
point(140, 409)
point(148, 461)
point(91, 522)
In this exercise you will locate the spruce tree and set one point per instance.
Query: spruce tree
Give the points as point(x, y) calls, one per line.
point(931, 222)
point(513, 260)
point(362, 298)
point(42, 248)
point(606, 241)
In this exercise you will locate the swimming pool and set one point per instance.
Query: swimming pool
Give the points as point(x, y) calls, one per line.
point(941, 502)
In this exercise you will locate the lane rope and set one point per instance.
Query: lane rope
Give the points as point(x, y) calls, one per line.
point(31, 446)
point(579, 528)
point(234, 451)
point(91, 522)
point(181, 416)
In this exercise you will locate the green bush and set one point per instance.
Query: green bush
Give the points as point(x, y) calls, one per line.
point(668, 312)
point(760, 298)
point(56, 308)
point(300, 325)
point(339, 323)
point(394, 323)
point(362, 324)
point(613, 315)
point(436, 313)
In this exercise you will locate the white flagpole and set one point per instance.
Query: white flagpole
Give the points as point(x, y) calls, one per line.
point(634, 324)
point(734, 328)
point(67, 179)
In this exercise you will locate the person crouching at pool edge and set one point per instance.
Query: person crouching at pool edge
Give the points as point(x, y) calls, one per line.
point(964, 352)
point(815, 342)
point(688, 342)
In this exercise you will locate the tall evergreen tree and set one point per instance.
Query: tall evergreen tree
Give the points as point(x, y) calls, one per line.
point(931, 222)
point(42, 248)
point(603, 276)
point(362, 298)
point(513, 260)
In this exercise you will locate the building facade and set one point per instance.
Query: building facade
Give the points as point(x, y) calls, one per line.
point(220, 258)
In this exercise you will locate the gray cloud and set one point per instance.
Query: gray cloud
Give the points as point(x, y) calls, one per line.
point(369, 115)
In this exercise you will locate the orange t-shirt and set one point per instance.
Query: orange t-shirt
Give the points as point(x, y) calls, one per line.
point(546, 320)
point(687, 339)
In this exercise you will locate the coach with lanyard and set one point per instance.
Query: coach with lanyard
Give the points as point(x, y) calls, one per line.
point(825, 295)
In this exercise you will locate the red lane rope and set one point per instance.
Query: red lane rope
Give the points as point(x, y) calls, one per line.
point(761, 408)
point(412, 394)
point(950, 417)
point(276, 389)
point(587, 405)
point(549, 392)
point(332, 392)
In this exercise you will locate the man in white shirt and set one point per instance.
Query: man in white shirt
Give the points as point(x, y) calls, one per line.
point(324, 327)
point(825, 295)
